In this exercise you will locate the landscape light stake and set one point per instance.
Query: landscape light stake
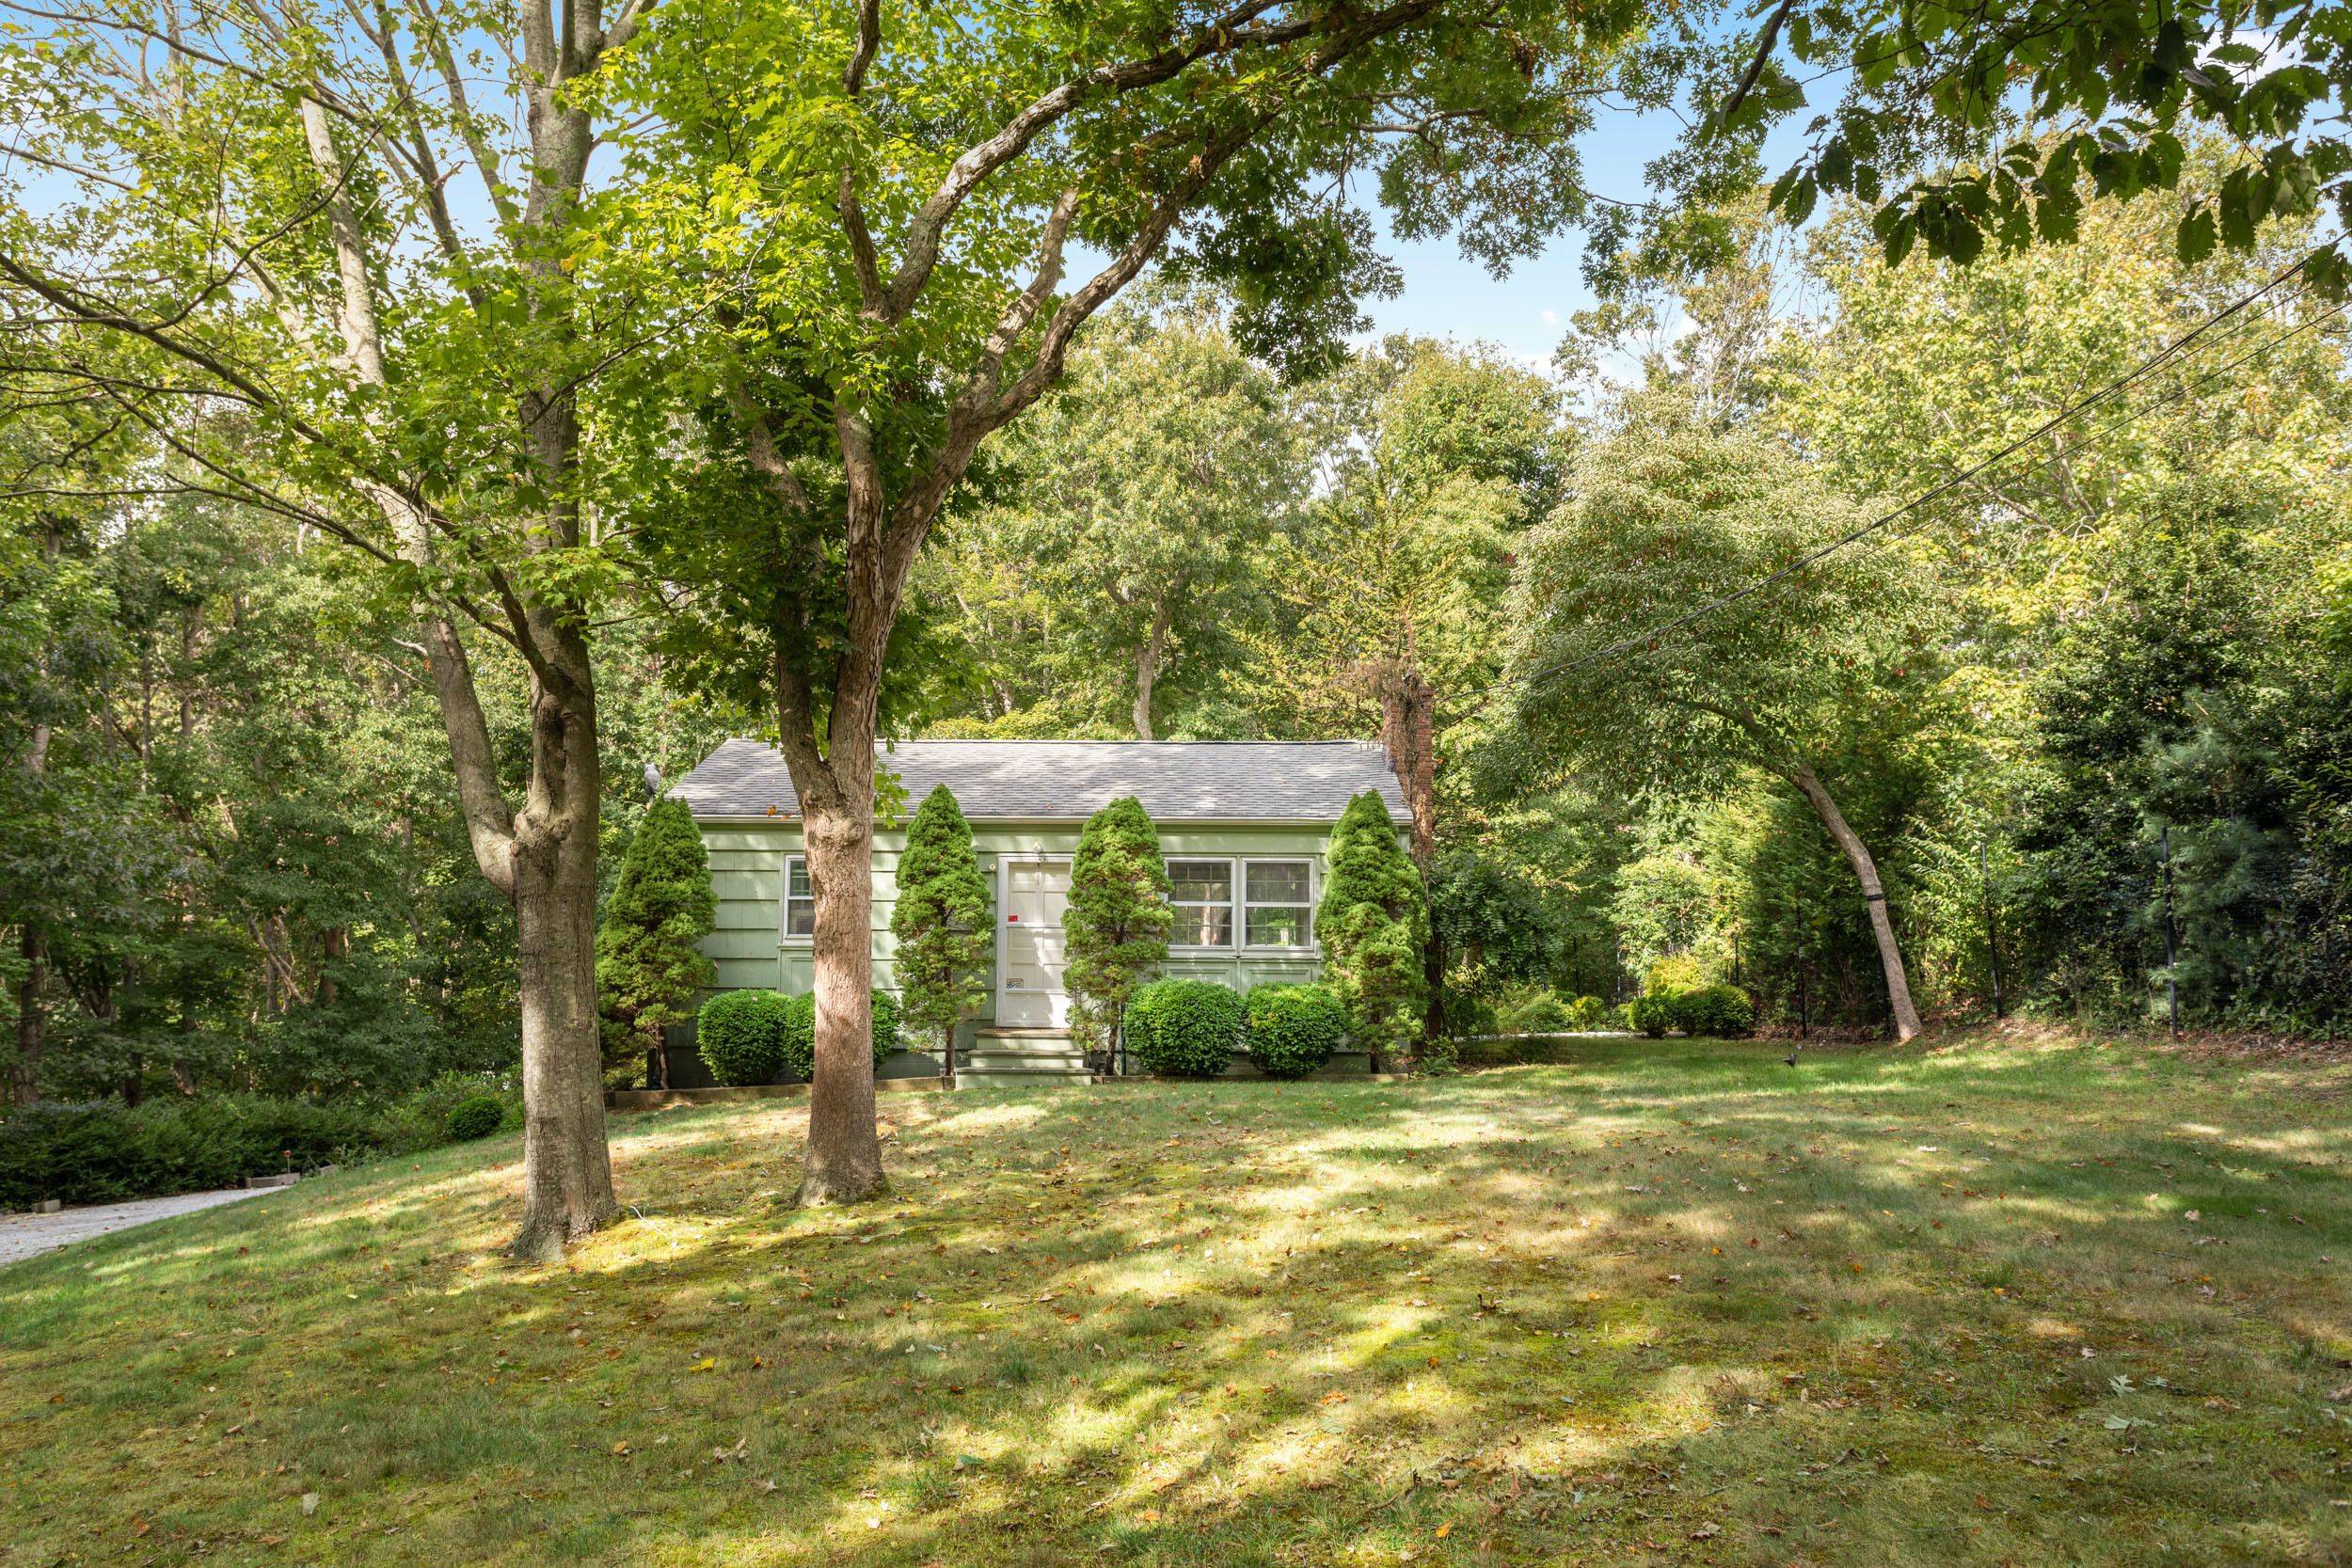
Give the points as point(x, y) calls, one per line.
point(2171, 946)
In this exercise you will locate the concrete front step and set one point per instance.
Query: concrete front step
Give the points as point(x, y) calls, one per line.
point(990, 1060)
point(970, 1078)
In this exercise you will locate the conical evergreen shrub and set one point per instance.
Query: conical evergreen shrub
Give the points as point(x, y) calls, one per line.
point(1374, 926)
point(946, 936)
point(649, 961)
point(1118, 921)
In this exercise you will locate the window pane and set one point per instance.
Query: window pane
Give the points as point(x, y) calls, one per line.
point(1200, 881)
point(800, 902)
point(1277, 882)
point(1278, 925)
point(1202, 926)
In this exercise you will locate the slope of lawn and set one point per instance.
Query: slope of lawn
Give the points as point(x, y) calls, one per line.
point(2009, 1302)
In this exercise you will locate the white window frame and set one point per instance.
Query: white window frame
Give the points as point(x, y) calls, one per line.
point(786, 936)
point(1241, 894)
point(1230, 905)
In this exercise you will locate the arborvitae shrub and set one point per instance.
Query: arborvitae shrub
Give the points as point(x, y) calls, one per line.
point(1373, 923)
point(1117, 923)
point(942, 922)
point(1185, 1028)
point(1292, 1030)
point(649, 959)
point(477, 1117)
point(741, 1035)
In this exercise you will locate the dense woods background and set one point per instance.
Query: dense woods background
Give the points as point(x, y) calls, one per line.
point(231, 855)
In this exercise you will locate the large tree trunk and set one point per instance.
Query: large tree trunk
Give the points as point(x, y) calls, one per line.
point(844, 1163)
point(1865, 870)
point(567, 1171)
point(1408, 731)
point(544, 857)
point(1147, 659)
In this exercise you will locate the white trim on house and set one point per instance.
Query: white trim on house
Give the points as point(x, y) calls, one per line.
point(786, 936)
point(1184, 906)
point(1237, 942)
point(1307, 911)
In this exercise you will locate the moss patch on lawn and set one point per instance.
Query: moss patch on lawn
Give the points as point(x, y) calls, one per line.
point(1664, 1302)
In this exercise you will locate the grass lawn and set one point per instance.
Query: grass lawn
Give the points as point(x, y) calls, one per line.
point(1990, 1303)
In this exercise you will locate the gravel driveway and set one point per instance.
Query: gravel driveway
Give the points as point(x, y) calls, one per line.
point(24, 1236)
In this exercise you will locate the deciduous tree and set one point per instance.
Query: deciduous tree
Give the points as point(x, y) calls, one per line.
point(251, 207)
point(1668, 516)
point(898, 190)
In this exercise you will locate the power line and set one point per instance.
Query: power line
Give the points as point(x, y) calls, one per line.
point(2107, 394)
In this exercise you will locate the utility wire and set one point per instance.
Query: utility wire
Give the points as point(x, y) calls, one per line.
point(2105, 394)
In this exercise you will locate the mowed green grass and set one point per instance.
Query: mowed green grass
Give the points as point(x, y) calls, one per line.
point(1986, 1303)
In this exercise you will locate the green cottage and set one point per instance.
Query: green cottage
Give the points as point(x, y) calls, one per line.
point(1242, 824)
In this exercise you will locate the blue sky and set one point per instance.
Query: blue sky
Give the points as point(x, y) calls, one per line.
point(1447, 295)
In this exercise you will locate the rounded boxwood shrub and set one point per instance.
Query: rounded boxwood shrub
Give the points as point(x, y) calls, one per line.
point(475, 1117)
point(1650, 1015)
point(1292, 1030)
point(741, 1035)
point(1540, 1014)
point(1722, 1011)
point(800, 1031)
point(1185, 1028)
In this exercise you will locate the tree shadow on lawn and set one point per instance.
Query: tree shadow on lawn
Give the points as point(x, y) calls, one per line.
point(1674, 1309)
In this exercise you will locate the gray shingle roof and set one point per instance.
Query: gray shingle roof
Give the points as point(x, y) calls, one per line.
point(1051, 781)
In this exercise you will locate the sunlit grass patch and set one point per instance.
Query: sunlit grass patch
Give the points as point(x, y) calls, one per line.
point(1662, 1301)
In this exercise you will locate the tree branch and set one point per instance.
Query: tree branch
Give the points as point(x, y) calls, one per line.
point(1765, 43)
point(1226, 34)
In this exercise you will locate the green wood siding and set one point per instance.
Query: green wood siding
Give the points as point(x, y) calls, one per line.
point(747, 871)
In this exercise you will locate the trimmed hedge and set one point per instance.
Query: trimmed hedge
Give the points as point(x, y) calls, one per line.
point(1292, 1030)
point(104, 1151)
point(761, 1034)
point(1723, 1012)
point(1185, 1028)
point(741, 1035)
point(475, 1117)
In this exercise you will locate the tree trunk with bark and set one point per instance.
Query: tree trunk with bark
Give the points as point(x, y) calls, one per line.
point(844, 1163)
point(1408, 731)
point(25, 1076)
point(836, 790)
point(1866, 871)
point(1148, 658)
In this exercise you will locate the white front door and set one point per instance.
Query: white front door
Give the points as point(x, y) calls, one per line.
point(1029, 987)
